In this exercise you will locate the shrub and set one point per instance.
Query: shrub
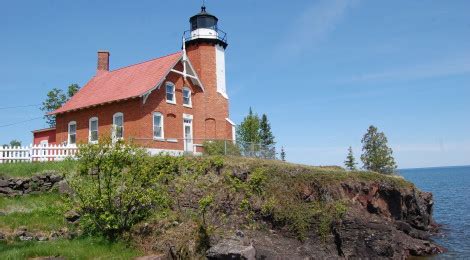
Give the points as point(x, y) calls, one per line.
point(221, 147)
point(115, 187)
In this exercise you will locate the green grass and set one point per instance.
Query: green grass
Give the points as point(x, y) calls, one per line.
point(27, 169)
point(35, 212)
point(84, 248)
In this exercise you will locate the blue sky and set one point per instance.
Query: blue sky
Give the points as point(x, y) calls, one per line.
point(323, 71)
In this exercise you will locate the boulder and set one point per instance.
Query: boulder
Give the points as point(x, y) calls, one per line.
point(64, 187)
point(231, 249)
point(72, 216)
point(3, 183)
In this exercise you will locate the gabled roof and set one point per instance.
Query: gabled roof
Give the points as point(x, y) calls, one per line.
point(121, 84)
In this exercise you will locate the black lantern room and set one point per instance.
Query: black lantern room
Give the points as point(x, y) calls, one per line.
point(204, 29)
point(203, 20)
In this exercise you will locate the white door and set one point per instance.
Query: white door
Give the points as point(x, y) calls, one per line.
point(188, 134)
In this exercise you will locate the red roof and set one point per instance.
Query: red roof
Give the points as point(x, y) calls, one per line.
point(120, 84)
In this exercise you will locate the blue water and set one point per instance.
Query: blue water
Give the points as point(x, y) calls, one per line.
point(451, 189)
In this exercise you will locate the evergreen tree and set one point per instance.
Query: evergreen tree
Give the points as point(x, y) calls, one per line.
point(55, 99)
point(283, 154)
point(350, 162)
point(248, 134)
point(267, 138)
point(376, 155)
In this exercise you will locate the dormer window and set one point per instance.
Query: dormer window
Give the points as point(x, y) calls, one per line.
point(187, 97)
point(170, 93)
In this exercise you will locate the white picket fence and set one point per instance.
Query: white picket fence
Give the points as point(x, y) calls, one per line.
point(36, 153)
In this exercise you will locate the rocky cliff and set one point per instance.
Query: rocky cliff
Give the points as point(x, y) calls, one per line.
point(252, 209)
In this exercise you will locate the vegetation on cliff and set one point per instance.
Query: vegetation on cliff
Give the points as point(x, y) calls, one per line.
point(183, 206)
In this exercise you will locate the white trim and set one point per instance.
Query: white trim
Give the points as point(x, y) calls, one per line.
point(161, 138)
point(230, 121)
point(68, 132)
point(159, 83)
point(114, 125)
point(89, 129)
point(169, 83)
point(188, 117)
point(190, 105)
point(172, 140)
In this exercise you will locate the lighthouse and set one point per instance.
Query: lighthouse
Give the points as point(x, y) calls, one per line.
point(205, 45)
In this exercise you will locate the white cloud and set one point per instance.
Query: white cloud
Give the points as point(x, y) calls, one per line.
point(438, 68)
point(314, 24)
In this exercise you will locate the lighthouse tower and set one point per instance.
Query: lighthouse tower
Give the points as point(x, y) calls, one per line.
point(205, 46)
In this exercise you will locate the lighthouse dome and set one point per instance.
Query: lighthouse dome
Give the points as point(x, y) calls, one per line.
point(204, 28)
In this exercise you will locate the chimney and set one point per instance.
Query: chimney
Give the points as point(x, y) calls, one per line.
point(103, 62)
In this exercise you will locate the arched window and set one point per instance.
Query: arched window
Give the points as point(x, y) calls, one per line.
point(118, 126)
point(158, 125)
point(93, 130)
point(72, 136)
point(187, 102)
point(170, 93)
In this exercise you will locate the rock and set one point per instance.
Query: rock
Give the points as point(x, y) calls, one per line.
point(231, 249)
point(55, 178)
point(240, 173)
point(41, 238)
point(64, 187)
point(3, 183)
point(7, 191)
point(72, 216)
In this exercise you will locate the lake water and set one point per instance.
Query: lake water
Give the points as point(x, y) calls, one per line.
point(451, 189)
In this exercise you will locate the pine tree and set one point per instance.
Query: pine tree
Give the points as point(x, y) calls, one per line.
point(267, 138)
point(283, 154)
point(350, 162)
point(376, 155)
point(248, 134)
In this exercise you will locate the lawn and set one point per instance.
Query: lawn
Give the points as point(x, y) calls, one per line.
point(84, 248)
point(35, 212)
point(27, 169)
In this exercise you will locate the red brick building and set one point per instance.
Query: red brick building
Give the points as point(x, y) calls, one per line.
point(172, 103)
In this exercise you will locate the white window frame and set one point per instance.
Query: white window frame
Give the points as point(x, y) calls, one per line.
point(190, 104)
point(115, 128)
point(188, 117)
point(162, 126)
point(167, 84)
point(69, 134)
point(89, 130)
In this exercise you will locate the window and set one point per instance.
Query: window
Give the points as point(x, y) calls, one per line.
point(157, 125)
point(93, 130)
point(118, 126)
point(186, 97)
point(170, 93)
point(72, 133)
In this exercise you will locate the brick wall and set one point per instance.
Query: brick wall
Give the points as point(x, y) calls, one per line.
point(209, 110)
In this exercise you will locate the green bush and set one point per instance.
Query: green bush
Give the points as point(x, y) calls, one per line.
point(221, 147)
point(115, 186)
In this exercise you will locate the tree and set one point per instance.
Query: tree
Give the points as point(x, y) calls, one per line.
point(350, 162)
point(55, 99)
point(283, 154)
point(267, 138)
point(15, 143)
point(376, 155)
point(248, 133)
